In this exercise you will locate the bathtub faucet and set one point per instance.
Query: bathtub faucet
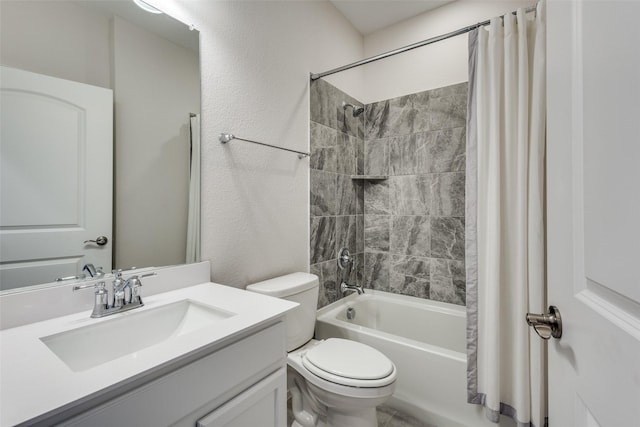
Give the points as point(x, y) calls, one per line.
point(345, 287)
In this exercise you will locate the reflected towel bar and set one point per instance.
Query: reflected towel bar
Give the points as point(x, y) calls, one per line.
point(226, 137)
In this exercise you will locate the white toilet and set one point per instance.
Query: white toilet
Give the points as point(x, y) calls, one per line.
point(333, 382)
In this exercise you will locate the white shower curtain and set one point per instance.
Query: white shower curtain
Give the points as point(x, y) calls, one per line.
point(193, 216)
point(505, 217)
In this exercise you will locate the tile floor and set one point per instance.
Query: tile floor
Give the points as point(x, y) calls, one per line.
point(387, 417)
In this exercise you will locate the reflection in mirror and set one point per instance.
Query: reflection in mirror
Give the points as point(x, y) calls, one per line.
point(100, 154)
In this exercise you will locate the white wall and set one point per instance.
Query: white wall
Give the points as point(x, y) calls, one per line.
point(440, 64)
point(156, 85)
point(255, 60)
point(58, 39)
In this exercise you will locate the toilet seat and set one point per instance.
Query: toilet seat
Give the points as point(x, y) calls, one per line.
point(349, 363)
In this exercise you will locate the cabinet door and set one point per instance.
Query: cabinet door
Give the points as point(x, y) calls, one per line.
point(263, 405)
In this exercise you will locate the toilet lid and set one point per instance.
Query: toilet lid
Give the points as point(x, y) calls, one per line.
point(349, 359)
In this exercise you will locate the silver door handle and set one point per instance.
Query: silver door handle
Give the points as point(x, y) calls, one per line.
point(100, 241)
point(548, 324)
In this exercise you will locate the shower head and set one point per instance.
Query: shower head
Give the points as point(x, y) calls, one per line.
point(356, 110)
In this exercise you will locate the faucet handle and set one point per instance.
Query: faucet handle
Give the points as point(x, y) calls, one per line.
point(98, 286)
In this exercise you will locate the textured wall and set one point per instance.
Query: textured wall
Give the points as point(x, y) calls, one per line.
point(336, 200)
point(256, 57)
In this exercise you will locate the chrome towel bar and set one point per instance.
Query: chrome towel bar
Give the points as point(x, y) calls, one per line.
point(226, 137)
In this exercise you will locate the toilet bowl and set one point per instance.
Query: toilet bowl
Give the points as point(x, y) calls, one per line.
point(333, 382)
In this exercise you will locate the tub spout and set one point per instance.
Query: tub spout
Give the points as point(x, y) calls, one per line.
point(345, 287)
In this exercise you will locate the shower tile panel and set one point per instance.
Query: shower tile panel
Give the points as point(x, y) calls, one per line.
point(323, 193)
point(389, 118)
point(447, 194)
point(409, 154)
point(410, 235)
point(347, 152)
point(359, 233)
point(420, 105)
point(409, 276)
point(447, 238)
point(376, 198)
point(323, 105)
point(376, 232)
point(447, 152)
point(349, 196)
point(323, 239)
point(376, 270)
point(337, 201)
point(409, 194)
point(457, 89)
point(323, 148)
point(377, 156)
point(448, 281)
point(448, 112)
point(346, 233)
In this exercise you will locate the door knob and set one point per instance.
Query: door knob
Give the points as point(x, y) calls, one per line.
point(100, 241)
point(546, 325)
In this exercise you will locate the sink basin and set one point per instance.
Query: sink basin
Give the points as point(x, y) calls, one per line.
point(125, 334)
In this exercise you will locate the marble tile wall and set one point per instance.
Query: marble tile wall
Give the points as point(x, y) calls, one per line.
point(406, 233)
point(336, 201)
point(414, 221)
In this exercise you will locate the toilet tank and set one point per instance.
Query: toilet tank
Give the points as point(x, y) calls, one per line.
point(301, 288)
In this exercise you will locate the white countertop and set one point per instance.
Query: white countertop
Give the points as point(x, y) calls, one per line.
point(34, 381)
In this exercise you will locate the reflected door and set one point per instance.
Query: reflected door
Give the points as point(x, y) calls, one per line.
point(56, 177)
point(593, 212)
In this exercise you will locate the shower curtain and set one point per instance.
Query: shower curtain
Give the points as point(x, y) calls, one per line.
point(193, 216)
point(505, 217)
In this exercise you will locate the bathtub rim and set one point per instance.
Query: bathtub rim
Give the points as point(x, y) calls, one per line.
point(328, 314)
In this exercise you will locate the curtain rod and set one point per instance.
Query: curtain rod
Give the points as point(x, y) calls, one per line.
point(416, 45)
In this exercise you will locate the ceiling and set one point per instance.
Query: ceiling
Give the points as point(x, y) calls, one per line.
point(368, 16)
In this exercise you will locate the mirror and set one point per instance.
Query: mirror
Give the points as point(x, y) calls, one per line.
point(149, 65)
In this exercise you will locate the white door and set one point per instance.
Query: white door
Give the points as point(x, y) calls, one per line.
point(593, 212)
point(56, 177)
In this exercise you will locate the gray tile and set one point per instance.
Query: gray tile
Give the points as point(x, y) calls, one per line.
point(448, 281)
point(358, 269)
point(346, 152)
point(409, 195)
point(376, 232)
point(447, 194)
point(409, 276)
point(323, 193)
point(384, 414)
point(349, 194)
point(377, 157)
point(376, 198)
point(448, 112)
point(330, 280)
point(322, 298)
point(323, 239)
point(456, 89)
point(447, 152)
point(359, 233)
point(420, 105)
point(323, 147)
point(447, 238)
point(409, 154)
point(376, 270)
point(346, 233)
point(389, 118)
point(323, 103)
point(410, 235)
point(360, 156)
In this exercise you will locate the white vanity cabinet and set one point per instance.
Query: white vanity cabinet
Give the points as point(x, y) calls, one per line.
point(242, 384)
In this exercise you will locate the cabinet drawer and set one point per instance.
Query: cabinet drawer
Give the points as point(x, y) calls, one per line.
point(194, 389)
point(262, 405)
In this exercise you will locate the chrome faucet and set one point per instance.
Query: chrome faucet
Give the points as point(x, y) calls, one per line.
point(345, 287)
point(119, 300)
point(345, 263)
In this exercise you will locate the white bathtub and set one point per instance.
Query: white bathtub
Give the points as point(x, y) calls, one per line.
point(426, 341)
